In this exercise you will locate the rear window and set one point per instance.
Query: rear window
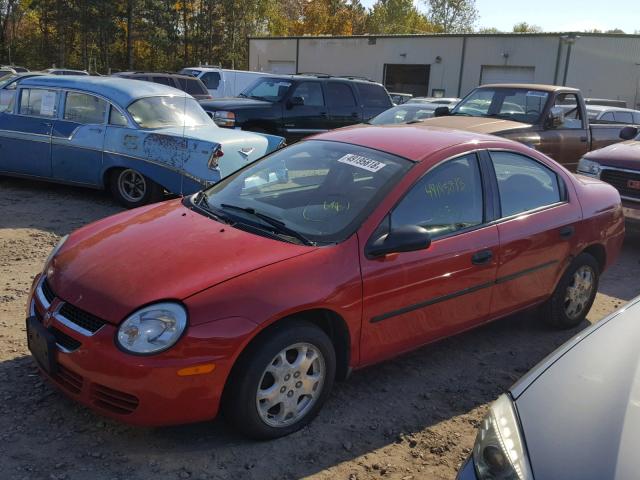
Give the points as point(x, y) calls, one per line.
point(192, 87)
point(373, 95)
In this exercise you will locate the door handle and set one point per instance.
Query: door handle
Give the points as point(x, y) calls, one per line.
point(98, 130)
point(567, 232)
point(482, 257)
point(583, 139)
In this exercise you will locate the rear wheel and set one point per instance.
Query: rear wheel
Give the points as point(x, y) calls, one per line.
point(282, 382)
point(132, 189)
point(575, 293)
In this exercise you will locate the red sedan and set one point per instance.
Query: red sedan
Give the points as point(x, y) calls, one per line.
point(335, 253)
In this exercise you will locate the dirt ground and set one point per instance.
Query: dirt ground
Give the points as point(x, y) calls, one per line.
point(411, 418)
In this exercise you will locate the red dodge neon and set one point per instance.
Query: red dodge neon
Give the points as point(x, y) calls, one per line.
point(335, 253)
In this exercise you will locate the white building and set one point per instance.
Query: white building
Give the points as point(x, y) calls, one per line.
point(601, 65)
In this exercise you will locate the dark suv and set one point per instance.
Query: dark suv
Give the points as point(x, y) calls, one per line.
point(295, 106)
point(186, 83)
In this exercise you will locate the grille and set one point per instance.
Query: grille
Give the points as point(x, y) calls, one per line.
point(81, 318)
point(65, 340)
point(68, 379)
point(113, 400)
point(620, 180)
point(47, 292)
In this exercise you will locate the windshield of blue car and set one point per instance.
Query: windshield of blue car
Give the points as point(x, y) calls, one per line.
point(269, 89)
point(321, 190)
point(161, 112)
point(404, 113)
point(7, 79)
point(517, 104)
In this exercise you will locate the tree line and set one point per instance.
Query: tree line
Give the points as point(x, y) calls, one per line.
point(166, 35)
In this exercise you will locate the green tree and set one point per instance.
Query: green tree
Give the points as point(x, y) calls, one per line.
point(453, 16)
point(524, 27)
point(396, 17)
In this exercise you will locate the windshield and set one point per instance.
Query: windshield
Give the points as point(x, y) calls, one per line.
point(160, 112)
point(518, 104)
point(404, 113)
point(269, 89)
point(321, 190)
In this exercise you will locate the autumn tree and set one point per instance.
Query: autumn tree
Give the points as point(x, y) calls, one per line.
point(397, 16)
point(453, 16)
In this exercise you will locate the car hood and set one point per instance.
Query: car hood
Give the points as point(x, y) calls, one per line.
point(580, 409)
point(619, 155)
point(163, 251)
point(475, 124)
point(234, 103)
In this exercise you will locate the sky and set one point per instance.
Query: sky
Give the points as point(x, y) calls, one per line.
point(555, 15)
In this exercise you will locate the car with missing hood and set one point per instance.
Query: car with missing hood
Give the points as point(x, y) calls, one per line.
point(574, 415)
point(136, 139)
point(332, 254)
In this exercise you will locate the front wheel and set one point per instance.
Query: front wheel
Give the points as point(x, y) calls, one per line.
point(281, 383)
point(573, 297)
point(132, 189)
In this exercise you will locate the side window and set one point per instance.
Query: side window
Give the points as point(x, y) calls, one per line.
point(7, 98)
point(636, 117)
point(116, 118)
point(34, 101)
point(83, 108)
point(523, 183)
point(211, 80)
point(623, 117)
point(164, 81)
point(447, 199)
point(568, 102)
point(311, 92)
point(340, 95)
point(192, 87)
point(374, 95)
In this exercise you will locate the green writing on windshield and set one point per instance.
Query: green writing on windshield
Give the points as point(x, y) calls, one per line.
point(441, 189)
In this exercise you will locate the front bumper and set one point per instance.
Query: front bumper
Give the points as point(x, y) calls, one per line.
point(140, 390)
point(631, 211)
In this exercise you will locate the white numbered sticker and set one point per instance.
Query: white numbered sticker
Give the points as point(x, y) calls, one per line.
point(48, 104)
point(361, 162)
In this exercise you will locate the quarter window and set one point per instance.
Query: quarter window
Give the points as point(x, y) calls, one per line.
point(374, 95)
point(311, 93)
point(83, 108)
point(38, 102)
point(523, 183)
point(623, 117)
point(447, 199)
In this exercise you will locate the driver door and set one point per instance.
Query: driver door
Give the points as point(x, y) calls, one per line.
point(413, 298)
point(301, 120)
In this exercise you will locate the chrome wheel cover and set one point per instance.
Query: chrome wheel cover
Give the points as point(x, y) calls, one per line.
point(579, 292)
point(132, 185)
point(290, 385)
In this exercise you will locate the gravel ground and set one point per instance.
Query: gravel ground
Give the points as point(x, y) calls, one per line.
point(414, 417)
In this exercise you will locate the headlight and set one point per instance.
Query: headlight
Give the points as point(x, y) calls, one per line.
point(152, 329)
point(589, 167)
point(499, 452)
point(55, 250)
point(224, 119)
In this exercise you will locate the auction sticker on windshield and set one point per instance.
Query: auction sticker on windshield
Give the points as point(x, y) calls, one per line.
point(361, 162)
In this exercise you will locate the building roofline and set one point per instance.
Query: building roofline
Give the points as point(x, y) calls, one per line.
point(443, 35)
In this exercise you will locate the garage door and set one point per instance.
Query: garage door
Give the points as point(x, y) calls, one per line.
point(506, 74)
point(282, 67)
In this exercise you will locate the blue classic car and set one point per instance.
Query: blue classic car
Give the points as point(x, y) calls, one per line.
point(135, 138)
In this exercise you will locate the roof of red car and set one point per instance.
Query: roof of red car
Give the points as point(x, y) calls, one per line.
point(414, 142)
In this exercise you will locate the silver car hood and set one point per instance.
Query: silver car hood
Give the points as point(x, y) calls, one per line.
point(580, 407)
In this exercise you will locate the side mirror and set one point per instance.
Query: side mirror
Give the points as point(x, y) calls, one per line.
point(294, 101)
point(441, 112)
point(628, 133)
point(555, 118)
point(401, 239)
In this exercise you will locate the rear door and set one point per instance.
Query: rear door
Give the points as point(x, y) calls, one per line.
point(537, 230)
point(412, 298)
point(342, 105)
point(78, 138)
point(305, 112)
point(25, 134)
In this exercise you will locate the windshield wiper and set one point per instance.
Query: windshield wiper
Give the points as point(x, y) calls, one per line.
point(201, 200)
point(277, 224)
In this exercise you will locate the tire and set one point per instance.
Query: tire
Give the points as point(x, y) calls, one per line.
point(131, 189)
point(574, 295)
point(265, 405)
